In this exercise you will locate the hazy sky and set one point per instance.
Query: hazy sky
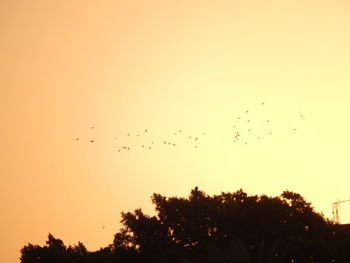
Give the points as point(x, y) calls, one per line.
point(195, 66)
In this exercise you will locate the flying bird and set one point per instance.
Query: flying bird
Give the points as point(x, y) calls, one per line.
point(302, 116)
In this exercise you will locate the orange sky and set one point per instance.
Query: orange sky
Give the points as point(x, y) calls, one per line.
point(195, 66)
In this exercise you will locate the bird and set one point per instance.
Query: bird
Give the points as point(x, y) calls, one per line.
point(262, 103)
point(143, 146)
point(247, 111)
point(77, 139)
point(128, 134)
point(302, 116)
point(196, 138)
point(92, 141)
point(149, 147)
point(146, 130)
point(92, 127)
point(174, 144)
point(164, 142)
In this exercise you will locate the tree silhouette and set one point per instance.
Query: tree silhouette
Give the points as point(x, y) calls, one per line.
point(229, 227)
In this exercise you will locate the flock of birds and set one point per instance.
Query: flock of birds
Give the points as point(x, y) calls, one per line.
point(151, 143)
point(238, 130)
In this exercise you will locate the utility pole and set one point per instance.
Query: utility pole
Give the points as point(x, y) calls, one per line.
point(335, 206)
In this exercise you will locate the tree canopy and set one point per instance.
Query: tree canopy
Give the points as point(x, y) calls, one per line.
point(229, 227)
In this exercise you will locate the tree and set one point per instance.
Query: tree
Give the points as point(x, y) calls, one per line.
point(229, 227)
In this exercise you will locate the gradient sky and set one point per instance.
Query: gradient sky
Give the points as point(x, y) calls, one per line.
point(196, 66)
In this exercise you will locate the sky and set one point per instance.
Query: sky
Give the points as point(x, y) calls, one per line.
point(128, 73)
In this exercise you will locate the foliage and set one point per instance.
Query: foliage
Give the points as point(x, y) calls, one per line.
point(230, 227)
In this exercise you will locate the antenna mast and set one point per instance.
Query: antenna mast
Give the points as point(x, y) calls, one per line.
point(335, 206)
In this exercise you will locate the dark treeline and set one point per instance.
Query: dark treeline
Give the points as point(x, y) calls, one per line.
point(230, 227)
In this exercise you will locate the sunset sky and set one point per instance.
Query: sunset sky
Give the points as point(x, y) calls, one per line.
point(150, 69)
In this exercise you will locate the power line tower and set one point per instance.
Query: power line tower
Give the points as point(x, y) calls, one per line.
point(335, 206)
